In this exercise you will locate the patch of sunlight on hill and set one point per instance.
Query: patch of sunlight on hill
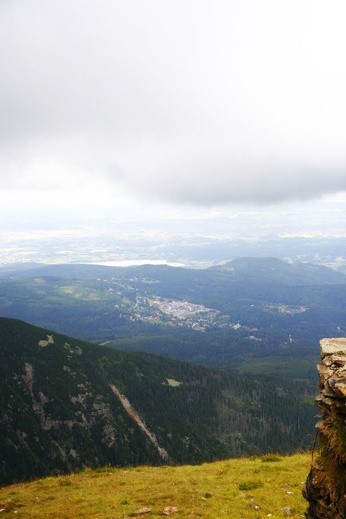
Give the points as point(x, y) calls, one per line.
point(267, 486)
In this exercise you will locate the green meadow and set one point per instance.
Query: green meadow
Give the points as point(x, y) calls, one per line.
point(258, 487)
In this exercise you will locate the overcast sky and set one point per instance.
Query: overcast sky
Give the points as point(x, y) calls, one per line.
point(189, 103)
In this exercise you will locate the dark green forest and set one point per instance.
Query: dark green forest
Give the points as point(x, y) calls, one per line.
point(59, 414)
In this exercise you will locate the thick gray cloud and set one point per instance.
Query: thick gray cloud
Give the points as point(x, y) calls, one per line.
point(191, 101)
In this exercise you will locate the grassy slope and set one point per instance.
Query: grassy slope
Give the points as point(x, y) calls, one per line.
point(237, 488)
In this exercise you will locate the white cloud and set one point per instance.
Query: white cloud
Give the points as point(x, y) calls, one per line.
point(184, 101)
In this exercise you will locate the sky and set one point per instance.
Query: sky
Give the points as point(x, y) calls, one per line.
point(144, 109)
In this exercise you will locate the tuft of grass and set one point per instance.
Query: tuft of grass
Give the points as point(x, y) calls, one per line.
point(66, 482)
point(271, 458)
point(212, 490)
point(250, 485)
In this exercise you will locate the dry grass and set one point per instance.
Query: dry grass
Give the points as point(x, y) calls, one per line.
point(237, 488)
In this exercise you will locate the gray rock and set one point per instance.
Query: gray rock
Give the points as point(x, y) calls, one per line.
point(332, 347)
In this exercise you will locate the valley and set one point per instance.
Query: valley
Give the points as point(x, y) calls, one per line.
point(255, 314)
point(185, 365)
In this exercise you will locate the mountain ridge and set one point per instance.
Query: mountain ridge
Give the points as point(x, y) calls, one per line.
point(277, 269)
point(307, 272)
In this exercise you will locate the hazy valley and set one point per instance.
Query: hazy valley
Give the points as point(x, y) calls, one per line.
point(247, 328)
point(257, 314)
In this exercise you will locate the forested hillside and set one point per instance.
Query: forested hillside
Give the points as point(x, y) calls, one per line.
point(66, 404)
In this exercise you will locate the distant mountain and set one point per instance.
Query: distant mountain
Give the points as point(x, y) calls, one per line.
point(66, 404)
point(273, 270)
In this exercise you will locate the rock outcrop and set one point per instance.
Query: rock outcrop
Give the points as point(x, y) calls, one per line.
point(325, 488)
